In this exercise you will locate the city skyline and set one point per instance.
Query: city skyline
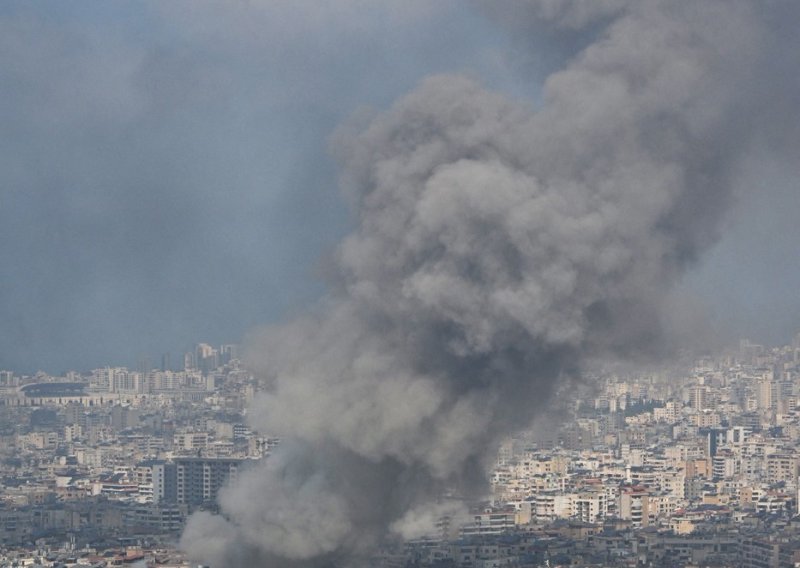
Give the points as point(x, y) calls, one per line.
point(701, 457)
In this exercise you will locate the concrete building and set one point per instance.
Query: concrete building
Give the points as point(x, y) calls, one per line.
point(634, 506)
point(198, 480)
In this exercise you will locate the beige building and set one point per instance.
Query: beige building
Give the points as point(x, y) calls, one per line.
point(634, 506)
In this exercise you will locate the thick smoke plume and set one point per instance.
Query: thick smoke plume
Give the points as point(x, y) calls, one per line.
point(497, 246)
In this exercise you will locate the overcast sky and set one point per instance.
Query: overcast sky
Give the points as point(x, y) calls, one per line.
point(164, 175)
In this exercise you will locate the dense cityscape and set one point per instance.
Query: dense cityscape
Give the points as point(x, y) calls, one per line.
point(489, 261)
point(692, 466)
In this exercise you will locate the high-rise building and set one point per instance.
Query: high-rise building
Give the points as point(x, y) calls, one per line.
point(767, 394)
point(188, 361)
point(228, 353)
point(198, 480)
point(165, 362)
point(191, 481)
point(698, 397)
point(206, 358)
point(162, 475)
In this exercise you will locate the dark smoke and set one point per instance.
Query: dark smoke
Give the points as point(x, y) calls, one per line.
point(497, 247)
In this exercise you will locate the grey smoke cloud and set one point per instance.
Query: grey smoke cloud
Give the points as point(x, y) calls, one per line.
point(496, 247)
point(563, 14)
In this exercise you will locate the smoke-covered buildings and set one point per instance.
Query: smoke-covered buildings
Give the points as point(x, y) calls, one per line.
point(600, 483)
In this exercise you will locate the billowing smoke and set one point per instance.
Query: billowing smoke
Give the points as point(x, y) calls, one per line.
point(497, 247)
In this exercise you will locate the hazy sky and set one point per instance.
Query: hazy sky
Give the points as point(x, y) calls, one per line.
point(164, 175)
